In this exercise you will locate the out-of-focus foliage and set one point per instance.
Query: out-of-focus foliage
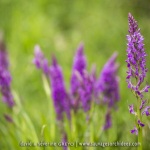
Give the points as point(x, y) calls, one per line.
point(58, 27)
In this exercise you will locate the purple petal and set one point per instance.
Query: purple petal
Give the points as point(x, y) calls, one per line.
point(140, 123)
point(146, 111)
point(134, 131)
point(131, 109)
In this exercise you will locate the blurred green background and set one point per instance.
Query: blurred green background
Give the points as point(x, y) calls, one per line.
point(58, 27)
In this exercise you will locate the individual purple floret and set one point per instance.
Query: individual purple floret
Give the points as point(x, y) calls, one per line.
point(79, 65)
point(131, 109)
point(146, 111)
point(107, 84)
point(59, 94)
point(142, 104)
point(108, 121)
point(134, 131)
point(136, 55)
point(140, 123)
point(40, 61)
point(5, 77)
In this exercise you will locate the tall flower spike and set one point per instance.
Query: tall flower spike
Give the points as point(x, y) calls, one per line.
point(136, 64)
point(5, 77)
point(136, 55)
point(59, 94)
point(40, 61)
point(79, 65)
point(107, 83)
point(108, 88)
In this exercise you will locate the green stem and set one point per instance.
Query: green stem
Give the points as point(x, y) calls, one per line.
point(139, 128)
point(140, 138)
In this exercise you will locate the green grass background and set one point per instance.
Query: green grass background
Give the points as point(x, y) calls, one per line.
point(58, 27)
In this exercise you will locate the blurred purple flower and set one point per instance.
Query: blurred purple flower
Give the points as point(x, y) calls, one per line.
point(85, 90)
point(131, 109)
point(107, 87)
point(140, 123)
point(5, 77)
point(79, 65)
point(146, 111)
point(40, 61)
point(107, 84)
point(59, 94)
point(60, 97)
point(134, 131)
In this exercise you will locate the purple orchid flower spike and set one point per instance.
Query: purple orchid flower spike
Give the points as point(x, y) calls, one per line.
point(136, 58)
point(61, 99)
point(107, 87)
point(107, 84)
point(40, 61)
point(80, 59)
point(54, 73)
point(79, 65)
point(38, 57)
point(59, 94)
point(136, 64)
point(5, 77)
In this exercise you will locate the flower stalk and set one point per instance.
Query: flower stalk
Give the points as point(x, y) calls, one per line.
point(139, 127)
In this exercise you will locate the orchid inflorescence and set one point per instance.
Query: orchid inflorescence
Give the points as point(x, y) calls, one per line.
point(85, 88)
point(5, 77)
point(136, 63)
